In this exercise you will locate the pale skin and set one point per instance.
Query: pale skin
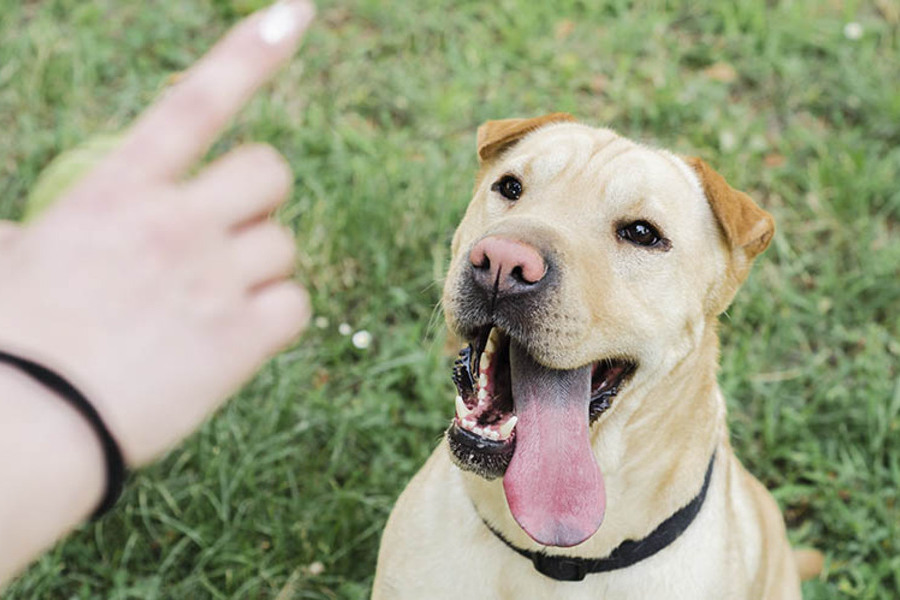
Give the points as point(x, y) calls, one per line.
point(156, 295)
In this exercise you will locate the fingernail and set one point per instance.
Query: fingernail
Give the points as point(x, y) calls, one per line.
point(284, 19)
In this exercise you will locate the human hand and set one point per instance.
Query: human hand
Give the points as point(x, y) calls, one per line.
point(157, 296)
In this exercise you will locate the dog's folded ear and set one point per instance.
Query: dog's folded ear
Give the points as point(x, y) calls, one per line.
point(745, 224)
point(747, 228)
point(496, 136)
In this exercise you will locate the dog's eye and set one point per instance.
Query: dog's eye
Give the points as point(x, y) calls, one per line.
point(508, 186)
point(641, 233)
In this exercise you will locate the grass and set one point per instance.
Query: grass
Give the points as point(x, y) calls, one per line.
point(283, 494)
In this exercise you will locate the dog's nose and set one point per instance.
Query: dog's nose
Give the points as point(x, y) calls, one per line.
point(509, 265)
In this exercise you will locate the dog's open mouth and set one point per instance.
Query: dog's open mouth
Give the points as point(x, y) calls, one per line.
point(485, 420)
point(530, 424)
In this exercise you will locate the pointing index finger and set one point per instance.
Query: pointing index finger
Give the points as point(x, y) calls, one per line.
point(177, 130)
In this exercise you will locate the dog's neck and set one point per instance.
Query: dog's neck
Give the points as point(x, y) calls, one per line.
point(653, 454)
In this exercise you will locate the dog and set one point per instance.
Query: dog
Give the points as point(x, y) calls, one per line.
point(589, 454)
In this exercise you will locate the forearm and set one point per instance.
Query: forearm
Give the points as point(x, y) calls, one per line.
point(139, 273)
point(51, 469)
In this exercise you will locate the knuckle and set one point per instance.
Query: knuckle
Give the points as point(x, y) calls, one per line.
point(283, 245)
point(285, 238)
point(266, 157)
point(265, 163)
point(296, 308)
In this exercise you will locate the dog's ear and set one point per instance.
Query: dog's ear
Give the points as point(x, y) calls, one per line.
point(496, 136)
point(745, 224)
point(747, 228)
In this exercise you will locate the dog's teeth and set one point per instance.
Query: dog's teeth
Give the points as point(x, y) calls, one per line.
point(468, 423)
point(492, 341)
point(506, 429)
point(478, 431)
point(485, 361)
point(462, 411)
point(482, 394)
point(491, 434)
point(483, 381)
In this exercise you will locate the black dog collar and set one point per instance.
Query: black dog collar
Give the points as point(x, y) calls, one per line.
point(629, 552)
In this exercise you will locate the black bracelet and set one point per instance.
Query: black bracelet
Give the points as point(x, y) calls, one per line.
point(115, 464)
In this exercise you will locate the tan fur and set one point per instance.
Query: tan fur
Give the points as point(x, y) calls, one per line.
point(614, 300)
point(494, 136)
point(747, 227)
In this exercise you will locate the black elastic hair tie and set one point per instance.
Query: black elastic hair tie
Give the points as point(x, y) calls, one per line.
point(115, 464)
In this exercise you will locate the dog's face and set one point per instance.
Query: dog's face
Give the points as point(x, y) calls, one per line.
point(586, 266)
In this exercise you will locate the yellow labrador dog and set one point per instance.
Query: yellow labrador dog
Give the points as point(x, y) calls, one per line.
point(589, 454)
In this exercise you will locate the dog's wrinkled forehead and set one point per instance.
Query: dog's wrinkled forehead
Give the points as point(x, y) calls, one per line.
point(653, 178)
point(544, 154)
point(623, 169)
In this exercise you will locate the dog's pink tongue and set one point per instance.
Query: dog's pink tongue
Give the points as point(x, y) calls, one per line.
point(553, 485)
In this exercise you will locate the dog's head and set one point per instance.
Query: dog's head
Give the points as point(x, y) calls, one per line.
point(585, 265)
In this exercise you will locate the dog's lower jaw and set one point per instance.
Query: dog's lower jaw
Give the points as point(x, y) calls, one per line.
point(482, 434)
point(483, 458)
point(633, 456)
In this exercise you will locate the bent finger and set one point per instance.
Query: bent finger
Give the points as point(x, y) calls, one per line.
point(177, 130)
point(244, 185)
point(263, 254)
point(281, 312)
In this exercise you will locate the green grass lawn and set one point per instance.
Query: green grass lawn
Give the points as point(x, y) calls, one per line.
point(284, 493)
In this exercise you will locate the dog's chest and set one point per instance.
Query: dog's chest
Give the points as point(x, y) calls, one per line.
point(694, 566)
point(673, 577)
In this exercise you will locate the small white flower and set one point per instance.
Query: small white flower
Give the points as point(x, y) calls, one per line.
point(362, 339)
point(345, 329)
point(853, 30)
point(315, 568)
point(321, 322)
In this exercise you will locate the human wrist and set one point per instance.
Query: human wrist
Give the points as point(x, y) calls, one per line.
point(52, 459)
point(67, 393)
point(52, 427)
